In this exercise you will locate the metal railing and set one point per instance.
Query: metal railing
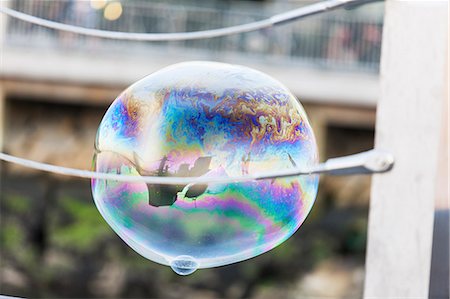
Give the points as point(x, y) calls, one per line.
point(344, 40)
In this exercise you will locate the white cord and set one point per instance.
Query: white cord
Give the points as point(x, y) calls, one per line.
point(277, 19)
point(372, 161)
point(148, 179)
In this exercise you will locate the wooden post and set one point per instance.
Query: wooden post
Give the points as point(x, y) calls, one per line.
point(440, 260)
point(2, 116)
point(413, 93)
point(3, 24)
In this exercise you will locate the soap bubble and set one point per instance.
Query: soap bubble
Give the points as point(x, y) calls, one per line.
point(213, 120)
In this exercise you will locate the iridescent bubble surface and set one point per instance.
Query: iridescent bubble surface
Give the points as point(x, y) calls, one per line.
point(204, 119)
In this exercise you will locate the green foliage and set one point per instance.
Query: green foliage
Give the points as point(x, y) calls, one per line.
point(86, 228)
point(12, 242)
point(12, 236)
point(356, 235)
point(321, 249)
point(17, 203)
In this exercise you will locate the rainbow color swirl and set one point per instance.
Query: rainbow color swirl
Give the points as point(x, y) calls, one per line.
point(205, 119)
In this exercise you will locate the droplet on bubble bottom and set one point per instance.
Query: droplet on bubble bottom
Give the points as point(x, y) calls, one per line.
point(184, 265)
point(213, 120)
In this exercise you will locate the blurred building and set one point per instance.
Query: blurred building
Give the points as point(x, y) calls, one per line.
point(55, 86)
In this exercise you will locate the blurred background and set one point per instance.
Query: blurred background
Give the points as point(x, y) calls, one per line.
point(56, 86)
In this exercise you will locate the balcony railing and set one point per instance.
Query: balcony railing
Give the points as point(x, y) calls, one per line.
point(343, 40)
